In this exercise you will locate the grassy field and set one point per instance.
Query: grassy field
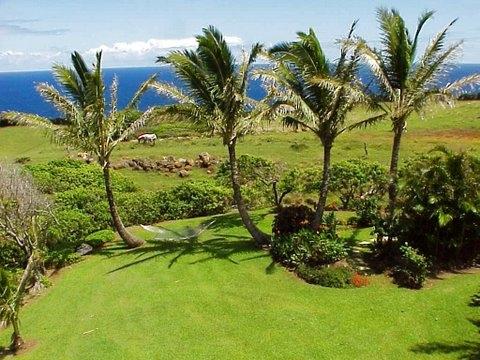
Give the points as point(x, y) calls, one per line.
point(457, 128)
point(222, 299)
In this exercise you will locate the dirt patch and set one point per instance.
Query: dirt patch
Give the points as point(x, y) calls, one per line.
point(26, 348)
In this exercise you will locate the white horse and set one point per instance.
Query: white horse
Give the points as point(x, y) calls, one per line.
point(147, 138)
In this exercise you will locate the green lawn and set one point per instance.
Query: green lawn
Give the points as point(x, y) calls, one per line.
point(457, 128)
point(222, 299)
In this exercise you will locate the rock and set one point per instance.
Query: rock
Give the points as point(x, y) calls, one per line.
point(84, 249)
point(209, 171)
point(188, 167)
point(190, 162)
point(204, 159)
point(177, 164)
point(182, 161)
point(183, 173)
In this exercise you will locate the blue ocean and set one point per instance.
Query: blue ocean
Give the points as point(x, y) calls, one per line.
point(17, 89)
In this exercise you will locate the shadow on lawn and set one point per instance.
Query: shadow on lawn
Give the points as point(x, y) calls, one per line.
point(466, 350)
point(223, 247)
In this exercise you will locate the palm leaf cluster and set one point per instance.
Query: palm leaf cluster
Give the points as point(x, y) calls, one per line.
point(215, 85)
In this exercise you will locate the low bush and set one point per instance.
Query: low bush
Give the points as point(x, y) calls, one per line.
point(62, 175)
point(291, 219)
point(69, 228)
point(334, 277)
point(367, 211)
point(99, 238)
point(307, 247)
point(56, 259)
point(359, 280)
point(412, 268)
point(11, 256)
point(355, 179)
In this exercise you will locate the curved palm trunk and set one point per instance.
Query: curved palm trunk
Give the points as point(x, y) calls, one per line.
point(393, 184)
point(322, 200)
point(260, 237)
point(130, 240)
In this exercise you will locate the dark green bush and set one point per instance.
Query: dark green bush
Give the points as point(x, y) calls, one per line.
point(11, 256)
point(334, 277)
point(62, 175)
point(60, 258)
point(355, 179)
point(291, 219)
point(439, 207)
point(412, 269)
point(308, 247)
point(69, 228)
point(100, 238)
point(367, 211)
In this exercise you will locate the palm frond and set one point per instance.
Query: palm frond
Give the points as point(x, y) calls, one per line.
point(133, 104)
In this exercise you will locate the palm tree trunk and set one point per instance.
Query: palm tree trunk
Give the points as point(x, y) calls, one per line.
point(130, 240)
point(322, 199)
point(260, 237)
point(393, 184)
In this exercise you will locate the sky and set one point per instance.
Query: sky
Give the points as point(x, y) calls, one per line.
point(37, 33)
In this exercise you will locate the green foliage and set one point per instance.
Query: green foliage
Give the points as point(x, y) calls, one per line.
point(57, 259)
point(475, 300)
point(100, 238)
point(439, 207)
point(334, 277)
point(256, 176)
point(308, 247)
point(412, 268)
point(62, 175)
point(69, 228)
point(367, 211)
point(291, 219)
point(11, 256)
point(355, 179)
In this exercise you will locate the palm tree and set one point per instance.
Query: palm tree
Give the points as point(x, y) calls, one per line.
point(308, 91)
point(409, 82)
point(215, 95)
point(91, 126)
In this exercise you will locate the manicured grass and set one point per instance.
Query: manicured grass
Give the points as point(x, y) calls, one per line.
point(221, 298)
point(457, 128)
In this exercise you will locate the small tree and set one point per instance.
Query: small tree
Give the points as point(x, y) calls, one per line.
point(91, 126)
point(409, 82)
point(308, 91)
point(215, 96)
point(23, 210)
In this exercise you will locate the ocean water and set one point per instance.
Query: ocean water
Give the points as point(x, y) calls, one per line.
point(17, 89)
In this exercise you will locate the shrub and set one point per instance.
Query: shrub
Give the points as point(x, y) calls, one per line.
point(291, 219)
point(69, 228)
point(475, 300)
point(307, 247)
point(367, 211)
point(359, 280)
point(100, 238)
point(62, 175)
point(334, 277)
point(60, 258)
point(355, 179)
point(11, 256)
point(439, 207)
point(412, 269)
point(256, 176)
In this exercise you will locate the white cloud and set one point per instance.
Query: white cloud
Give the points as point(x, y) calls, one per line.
point(155, 45)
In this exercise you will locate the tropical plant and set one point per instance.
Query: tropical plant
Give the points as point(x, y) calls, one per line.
point(308, 91)
point(215, 95)
point(408, 81)
point(92, 126)
point(439, 207)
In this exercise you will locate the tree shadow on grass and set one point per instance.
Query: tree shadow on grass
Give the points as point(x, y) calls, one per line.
point(232, 220)
point(218, 248)
point(466, 350)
